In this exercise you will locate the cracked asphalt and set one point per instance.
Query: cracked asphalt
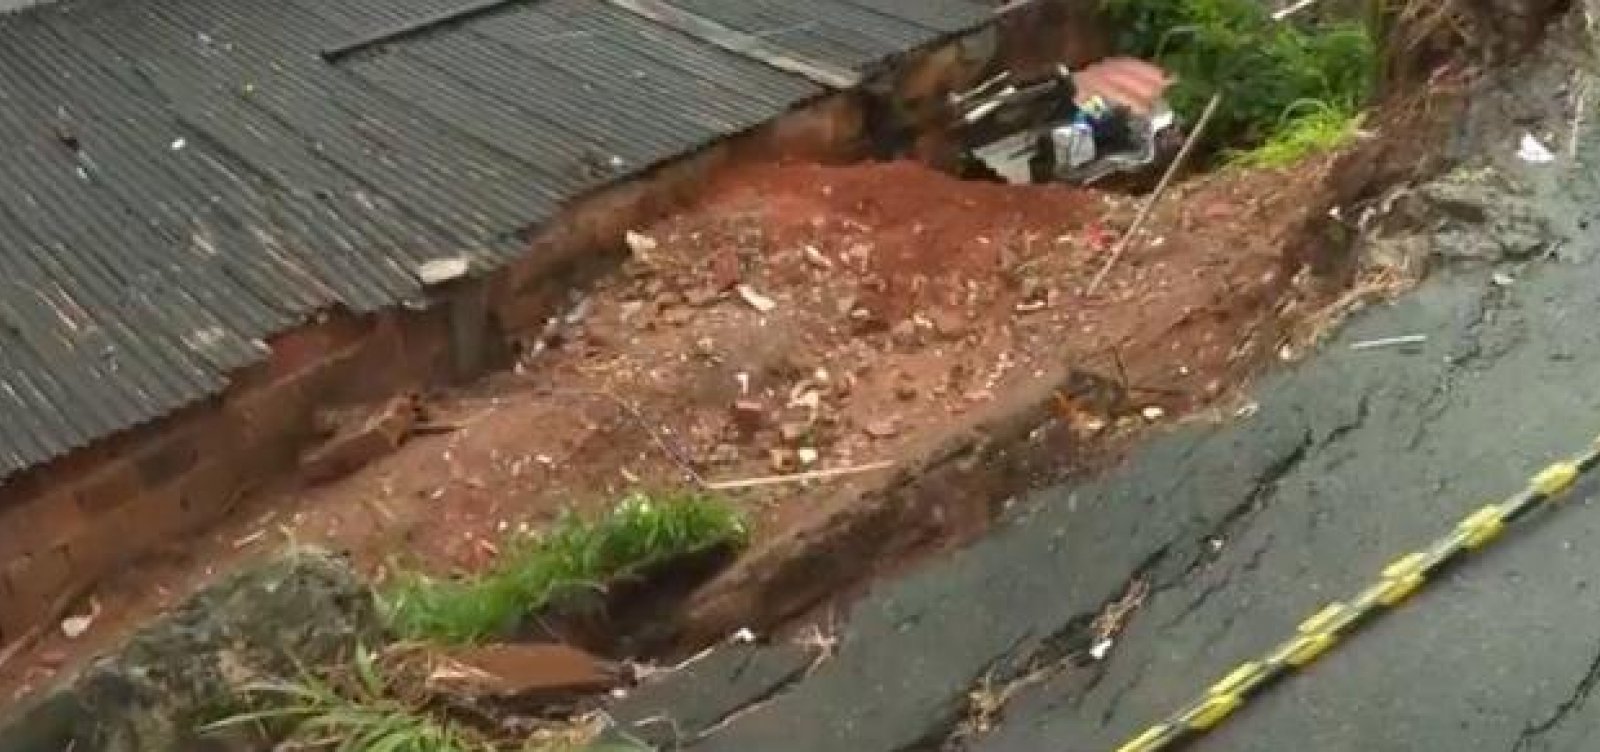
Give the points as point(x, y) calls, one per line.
point(1245, 528)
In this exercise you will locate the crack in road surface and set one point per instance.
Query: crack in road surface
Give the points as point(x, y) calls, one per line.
point(1531, 734)
point(1314, 492)
point(1251, 565)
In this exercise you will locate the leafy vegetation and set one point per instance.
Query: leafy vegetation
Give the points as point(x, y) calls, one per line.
point(1316, 129)
point(1266, 70)
point(360, 714)
point(639, 532)
point(379, 703)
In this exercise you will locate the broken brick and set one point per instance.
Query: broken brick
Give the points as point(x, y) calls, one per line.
point(352, 449)
point(749, 415)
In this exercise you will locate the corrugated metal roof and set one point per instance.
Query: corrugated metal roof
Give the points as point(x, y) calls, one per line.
point(180, 179)
point(859, 34)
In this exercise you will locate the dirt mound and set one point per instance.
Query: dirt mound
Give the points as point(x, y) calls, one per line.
point(917, 237)
point(804, 318)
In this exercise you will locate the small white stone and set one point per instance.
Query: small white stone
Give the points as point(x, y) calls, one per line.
point(435, 271)
point(1101, 649)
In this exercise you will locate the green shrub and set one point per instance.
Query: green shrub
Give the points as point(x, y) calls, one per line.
point(1313, 129)
point(1265, 69)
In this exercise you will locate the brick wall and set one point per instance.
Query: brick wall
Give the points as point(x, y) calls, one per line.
point(1037, 37)
point(67, 524)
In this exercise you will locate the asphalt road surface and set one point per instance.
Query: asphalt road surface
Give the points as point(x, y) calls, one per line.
point(1245, 528)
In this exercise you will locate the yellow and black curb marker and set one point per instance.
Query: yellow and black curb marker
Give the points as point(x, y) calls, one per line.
point(1398, 581)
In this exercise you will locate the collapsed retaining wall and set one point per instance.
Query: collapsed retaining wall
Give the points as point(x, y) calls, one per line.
point(66, 525)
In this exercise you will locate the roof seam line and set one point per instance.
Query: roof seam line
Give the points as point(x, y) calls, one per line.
point(739, 43)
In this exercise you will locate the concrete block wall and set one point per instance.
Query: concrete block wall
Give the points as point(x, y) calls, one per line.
point(67, 525)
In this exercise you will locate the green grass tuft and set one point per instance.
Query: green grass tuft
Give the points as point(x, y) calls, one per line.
point(1317, 129)
point(359, 714)
point(1262, 67)
point(640, 531)
point(382, 703)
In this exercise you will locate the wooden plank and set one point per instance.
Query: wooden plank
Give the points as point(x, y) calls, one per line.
point(739, 43)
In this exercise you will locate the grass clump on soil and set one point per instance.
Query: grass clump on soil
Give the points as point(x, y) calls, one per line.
point(1290, 88)
point(641, 531)
point(1321, 129)
point(358, 712)
point(375, 705)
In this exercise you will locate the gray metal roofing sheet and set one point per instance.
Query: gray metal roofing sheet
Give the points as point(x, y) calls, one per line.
point(182, 179)
point(860, 34)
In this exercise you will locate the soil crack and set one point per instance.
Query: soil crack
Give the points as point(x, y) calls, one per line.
point(1339, 432)
point(1469, 353)
point(1197, 602)
point(1263, 488)
point(1114, 704)
point(985, 699)
point(1532, 733)
point(755, 703)
point(1363, 411)
point(1250, 565)
point(1071, 644)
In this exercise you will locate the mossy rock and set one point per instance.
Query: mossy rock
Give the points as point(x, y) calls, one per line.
point(187, 668)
